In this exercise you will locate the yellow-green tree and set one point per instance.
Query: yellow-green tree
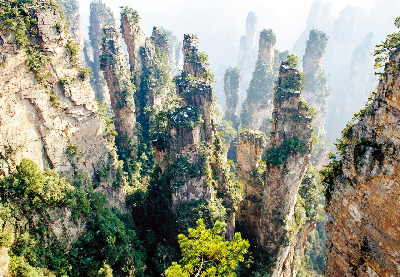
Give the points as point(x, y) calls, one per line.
point(206, 253)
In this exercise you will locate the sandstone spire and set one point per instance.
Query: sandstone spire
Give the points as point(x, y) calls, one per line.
point(257, 108)
point(232, 94)
point(113, 65)
point(316, 91)
point(271, 185)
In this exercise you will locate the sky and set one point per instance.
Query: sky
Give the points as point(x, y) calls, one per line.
point(286, 17)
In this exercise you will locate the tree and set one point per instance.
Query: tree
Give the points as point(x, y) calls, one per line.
point(206, 253)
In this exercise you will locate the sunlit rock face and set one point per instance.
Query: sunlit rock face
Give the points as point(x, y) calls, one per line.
point(117, 76)
point(363, 196)
point(50, 115)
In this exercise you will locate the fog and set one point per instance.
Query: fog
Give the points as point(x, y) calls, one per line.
point(219, 25)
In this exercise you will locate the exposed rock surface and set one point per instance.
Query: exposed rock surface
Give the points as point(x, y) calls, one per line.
point(149, 62)
point(232, 94)
point(41, 119)
point(134, 37)
point(48, 114)
point(117, 76)
point(100, 16)
point(250, 147)
point(267, 216)
point(257, 108)
point(363, 192)
point(188, 146)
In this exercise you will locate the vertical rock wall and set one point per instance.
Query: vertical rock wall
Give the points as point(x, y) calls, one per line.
point(117, 76)
point(100, 16)
point(363, 188)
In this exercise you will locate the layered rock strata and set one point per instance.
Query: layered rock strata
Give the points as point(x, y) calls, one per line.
point(49, 116)
point(363, 188)
point(117, 76)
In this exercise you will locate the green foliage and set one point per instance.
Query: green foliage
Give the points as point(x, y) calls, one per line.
point(187, 117)
point(387, 48)
point(329, 175)
point(268, 35)
point(206, 253)
point(36, 60)
point(30, 194)
point(85, 72)
point(16, 18)
point(131, 14)
point(292, 61)
point(318, 38)
point(53, 98)
point(226, 131)
point(73, 50)
point(72, 149)
point(277, 155)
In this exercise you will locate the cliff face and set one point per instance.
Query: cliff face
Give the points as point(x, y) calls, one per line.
point(291, 133)
point(49, 115)
point(271, 185)
point(363, 188)
point(100, 16)
point(316, 91)
point(257, 108)
point(133, 36)
point(251, 145)
point(117, 76)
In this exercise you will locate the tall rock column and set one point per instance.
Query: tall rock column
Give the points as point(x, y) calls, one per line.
point(133, 36)
point(116, 74)
point(250, 146)
point(286, 163)
point(100, 16)
point(232, 94)
point(189, 152)
point(258, 107)
point(316, 91)
point(363, 187)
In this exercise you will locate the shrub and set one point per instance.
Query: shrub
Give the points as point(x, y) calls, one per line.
point(277, 155)
point(36, 60)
